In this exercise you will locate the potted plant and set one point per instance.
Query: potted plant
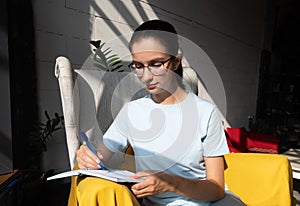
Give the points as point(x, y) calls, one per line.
point(33, 174)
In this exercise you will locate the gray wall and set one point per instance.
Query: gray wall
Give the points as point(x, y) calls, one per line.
point(230, 33)
point(6, 164)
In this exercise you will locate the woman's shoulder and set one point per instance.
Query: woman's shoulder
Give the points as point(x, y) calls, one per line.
point(202, 102)
point(142, 100)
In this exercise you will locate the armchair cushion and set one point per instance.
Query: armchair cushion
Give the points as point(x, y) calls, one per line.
point(260, 179)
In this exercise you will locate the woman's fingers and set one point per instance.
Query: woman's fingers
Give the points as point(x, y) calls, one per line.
point(99, 155)
point(141, 194)
point(144, 189)
point(153, 184)
point(86, 158)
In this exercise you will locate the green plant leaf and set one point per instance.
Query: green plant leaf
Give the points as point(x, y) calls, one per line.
point(47, 115)
point(112, 59)
point(103, 61)
point(117, 68)
point(96, 43)
point(107, 53)
point(117, 62)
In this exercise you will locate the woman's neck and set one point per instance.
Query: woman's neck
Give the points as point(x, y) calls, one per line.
point(167, 97)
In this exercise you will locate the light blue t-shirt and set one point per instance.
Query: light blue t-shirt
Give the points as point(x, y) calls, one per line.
point(172, 138)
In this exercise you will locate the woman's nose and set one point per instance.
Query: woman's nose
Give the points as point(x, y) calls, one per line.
point(147, 75)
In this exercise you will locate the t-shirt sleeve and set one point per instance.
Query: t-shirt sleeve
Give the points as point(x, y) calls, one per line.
point(115, 138)
point(215, 142)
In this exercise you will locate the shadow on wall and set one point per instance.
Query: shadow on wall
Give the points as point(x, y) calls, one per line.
point(5, 153)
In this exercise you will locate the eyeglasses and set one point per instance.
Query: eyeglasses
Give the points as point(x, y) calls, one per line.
point(155, 67)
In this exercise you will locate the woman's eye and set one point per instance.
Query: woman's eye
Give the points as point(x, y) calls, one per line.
point(155, 64)
point(138, 66)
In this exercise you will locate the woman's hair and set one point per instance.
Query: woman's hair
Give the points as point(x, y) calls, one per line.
point(161, 31)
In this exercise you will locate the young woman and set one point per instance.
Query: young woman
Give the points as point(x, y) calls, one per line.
point(177, 137)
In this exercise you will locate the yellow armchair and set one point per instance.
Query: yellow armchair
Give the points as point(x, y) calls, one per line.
point(260, 179)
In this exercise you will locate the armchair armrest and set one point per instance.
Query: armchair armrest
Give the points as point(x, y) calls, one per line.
point(260, 179)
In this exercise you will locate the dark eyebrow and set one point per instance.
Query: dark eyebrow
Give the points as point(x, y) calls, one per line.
point(135, 62)
point(158, 59)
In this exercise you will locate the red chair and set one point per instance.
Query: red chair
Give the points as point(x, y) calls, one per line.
point(241, 140)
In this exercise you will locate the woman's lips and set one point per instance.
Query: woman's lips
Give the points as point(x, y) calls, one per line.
point(151, 86)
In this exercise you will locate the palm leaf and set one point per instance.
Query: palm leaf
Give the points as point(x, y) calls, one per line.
point(103, 61)
point(118, 68)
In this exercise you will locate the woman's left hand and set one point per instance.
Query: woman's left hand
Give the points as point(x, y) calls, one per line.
point(156, 182)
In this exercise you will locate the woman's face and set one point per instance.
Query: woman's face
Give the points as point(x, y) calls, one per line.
point(147, 52)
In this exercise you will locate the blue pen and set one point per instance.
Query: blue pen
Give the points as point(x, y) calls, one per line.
point(90, 146)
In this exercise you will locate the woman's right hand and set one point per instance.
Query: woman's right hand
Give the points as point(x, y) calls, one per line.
point(87, 159)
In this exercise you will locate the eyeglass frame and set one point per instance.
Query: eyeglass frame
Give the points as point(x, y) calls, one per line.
point(149, 67)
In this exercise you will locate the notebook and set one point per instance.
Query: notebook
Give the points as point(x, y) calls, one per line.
point(110, 174)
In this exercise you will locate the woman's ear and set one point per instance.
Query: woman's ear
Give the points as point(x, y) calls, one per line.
point(177, 61)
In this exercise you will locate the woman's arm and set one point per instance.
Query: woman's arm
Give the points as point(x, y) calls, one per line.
point(211, 189)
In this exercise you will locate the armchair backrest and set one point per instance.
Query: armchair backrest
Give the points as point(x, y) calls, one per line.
point(90, 100)
point(66, 78)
